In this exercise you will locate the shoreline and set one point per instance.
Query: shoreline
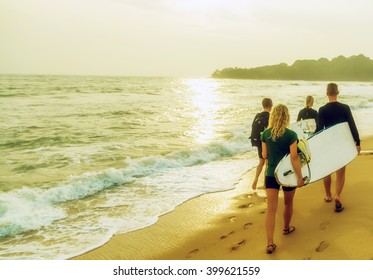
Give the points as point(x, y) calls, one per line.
point(229, 225)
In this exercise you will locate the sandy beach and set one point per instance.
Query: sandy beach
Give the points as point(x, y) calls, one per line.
point(230, 225)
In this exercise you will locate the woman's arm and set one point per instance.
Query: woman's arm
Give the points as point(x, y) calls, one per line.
point(295, 161)
point(264, 150)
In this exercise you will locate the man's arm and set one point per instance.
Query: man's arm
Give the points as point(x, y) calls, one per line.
point(354, 131)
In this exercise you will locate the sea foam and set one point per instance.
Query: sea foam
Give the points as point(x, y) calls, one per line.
point(30, 208)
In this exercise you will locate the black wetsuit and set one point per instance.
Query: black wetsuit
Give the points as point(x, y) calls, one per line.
point(333, 113)
point(264, 116)
point(307, 113)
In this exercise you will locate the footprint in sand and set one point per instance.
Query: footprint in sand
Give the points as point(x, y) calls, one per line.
point(238, 245)
point(263, 211)
point(195, 251)
point(248, 205)
point(226, 235)
point(322, 246)
point(232, 219)
point(247, 225)
point(323, 226)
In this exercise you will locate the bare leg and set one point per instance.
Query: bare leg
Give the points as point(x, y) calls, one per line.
point(327, 185)
point(288, 210)
point(272, 202)
point(259, 169)
point(339, 183)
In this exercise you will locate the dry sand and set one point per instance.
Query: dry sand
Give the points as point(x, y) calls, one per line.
point(230, 225)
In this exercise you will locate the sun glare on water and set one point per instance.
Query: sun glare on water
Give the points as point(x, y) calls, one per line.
point(204, 100)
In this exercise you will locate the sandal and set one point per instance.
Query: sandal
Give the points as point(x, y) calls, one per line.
point(288, 230)
point(327, 199)
point(271, 248)
point(338, 206)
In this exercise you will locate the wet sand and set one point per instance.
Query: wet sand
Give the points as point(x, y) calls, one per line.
point(230, 225)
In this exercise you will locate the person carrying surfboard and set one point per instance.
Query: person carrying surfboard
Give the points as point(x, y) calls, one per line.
point(277, 141)
point(260, 123)
point(330, 114)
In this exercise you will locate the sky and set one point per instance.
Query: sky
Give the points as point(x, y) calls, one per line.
point(178, 38)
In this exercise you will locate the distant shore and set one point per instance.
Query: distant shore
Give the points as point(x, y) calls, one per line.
point(356, 68)
point(230, 225)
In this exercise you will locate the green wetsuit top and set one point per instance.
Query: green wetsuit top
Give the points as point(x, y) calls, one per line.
point(277, 150)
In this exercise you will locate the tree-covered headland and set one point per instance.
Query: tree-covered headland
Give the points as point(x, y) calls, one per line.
point(354, 68)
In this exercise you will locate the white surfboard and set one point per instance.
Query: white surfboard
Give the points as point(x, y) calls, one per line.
point(331, 149)
point(304, 128)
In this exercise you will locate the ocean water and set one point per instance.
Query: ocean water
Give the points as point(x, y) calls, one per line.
point(83, 158)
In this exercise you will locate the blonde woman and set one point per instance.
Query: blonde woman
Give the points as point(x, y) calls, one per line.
point(307, 112)
point(277, 141)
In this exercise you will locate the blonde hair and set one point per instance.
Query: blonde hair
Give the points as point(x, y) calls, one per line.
point(309, 101)
point(278, 121)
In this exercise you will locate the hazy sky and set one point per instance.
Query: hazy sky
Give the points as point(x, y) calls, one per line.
point(189, 38)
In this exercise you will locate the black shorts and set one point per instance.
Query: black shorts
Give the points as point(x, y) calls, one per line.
point(260, 150)
point(271, 183)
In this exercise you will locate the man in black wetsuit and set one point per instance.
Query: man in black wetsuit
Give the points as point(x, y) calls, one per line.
point(330, 114)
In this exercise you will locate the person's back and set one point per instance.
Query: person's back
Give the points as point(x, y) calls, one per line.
point(307, 112)
point(260, 123)
point(331, 114)
point(277, 150)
